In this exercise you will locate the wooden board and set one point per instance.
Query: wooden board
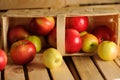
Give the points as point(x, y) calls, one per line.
point(0, 75)
point(36, 69)
point(109, 69)
point(61, 73)
point(117, 60)
point(13, 72)
point(18, 4)
point(86, 68)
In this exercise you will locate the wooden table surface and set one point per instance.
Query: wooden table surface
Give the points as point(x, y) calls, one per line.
point(72, 68)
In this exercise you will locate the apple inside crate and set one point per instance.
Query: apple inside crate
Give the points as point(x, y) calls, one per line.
point(64, 35)
point(26, 28)
point(89, 32)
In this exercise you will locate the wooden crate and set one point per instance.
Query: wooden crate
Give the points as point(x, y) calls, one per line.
point(95, 13)
point(21, 4)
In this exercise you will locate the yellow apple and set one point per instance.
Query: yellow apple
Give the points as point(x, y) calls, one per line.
point(107, 50)
point(52, 58)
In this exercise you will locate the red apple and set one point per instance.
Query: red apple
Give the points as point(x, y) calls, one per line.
point(79, 23)
point(22, 52)
point(103, 33)
point(42, 25)
point(16, 33)
point(73, 41)
point(3, 59)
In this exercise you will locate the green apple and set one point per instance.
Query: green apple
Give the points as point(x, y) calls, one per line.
point(89, 43)
point(83, 33)
point(107, 50)
point(52, 58)
point(36, 41)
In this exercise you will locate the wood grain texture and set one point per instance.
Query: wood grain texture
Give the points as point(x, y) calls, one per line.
point(8, 4)
point(109, 69)
point(13, 72)
point(61, 73)
point(86, 68)
point(37, 70)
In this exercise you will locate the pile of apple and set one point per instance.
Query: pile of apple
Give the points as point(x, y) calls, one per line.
point(25, 41)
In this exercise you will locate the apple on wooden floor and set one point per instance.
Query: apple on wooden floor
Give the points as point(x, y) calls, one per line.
point(22, 52)
point(3, 59)
point(52, 58)
point(107, 50)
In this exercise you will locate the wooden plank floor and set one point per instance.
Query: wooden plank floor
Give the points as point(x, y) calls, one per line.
point(72, 68)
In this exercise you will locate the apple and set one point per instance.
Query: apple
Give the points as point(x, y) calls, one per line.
point(52, 38)
point(52, 58)
point(43, 41)
point(42, 25)
point(83, 33)
point(89, 43)
point(73, 41)
point(22, 52)
point(107, 50)
point(79, 23)
point(36, 41)
point(3, 59)
point(102, 32)
point(16, 33)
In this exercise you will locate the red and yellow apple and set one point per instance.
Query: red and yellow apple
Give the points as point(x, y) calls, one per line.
point(83, 33)
point(89, 43)
point(52, 58)
point(42, 25)
point(22, 52)
point(103, 33)
point(16, 33)
point(107, 50)
point(80, 23)
point(3, 59)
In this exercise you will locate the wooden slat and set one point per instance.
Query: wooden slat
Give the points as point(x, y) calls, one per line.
point(109, 69)
point(86, 68)
point(61, 73)
point(13, 72)
point(36, 69)
point(84, 10)
point(0, 75)
point(71, 67)
point(8, 4)
point(117, 60)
